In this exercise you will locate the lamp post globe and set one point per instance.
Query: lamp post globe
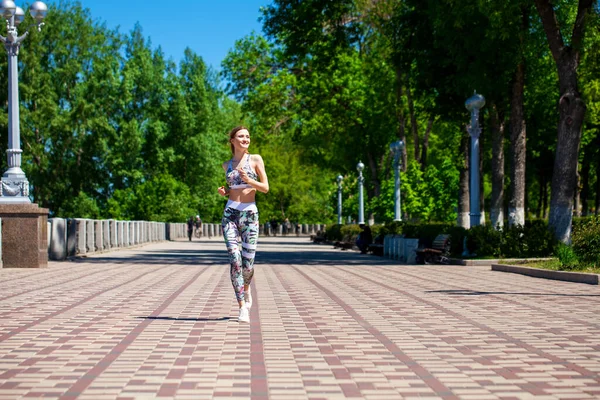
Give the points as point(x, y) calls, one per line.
point(473, 104)
point(7, 9)
point(19, 16)
point(38, 11)
point(339, 182)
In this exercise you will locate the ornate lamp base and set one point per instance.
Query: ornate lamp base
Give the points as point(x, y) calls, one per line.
point(14, 190)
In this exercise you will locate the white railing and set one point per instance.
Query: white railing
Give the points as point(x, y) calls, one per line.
point(70, 237)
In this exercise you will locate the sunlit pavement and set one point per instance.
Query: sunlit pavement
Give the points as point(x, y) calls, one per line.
point(160, 321)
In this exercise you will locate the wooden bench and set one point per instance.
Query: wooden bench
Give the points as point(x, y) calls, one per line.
point(438, 253)
point(377, 246)
point(345, 243)
point(318, 238)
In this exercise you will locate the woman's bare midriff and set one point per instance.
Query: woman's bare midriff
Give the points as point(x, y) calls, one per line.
point(242, 195)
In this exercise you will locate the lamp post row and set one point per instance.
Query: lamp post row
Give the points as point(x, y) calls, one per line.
point(473, 104)
point(14, 184)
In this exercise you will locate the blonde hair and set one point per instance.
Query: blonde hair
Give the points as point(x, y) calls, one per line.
point(232, 134)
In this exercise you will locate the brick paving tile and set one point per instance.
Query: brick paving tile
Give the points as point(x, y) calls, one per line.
point(160, 321)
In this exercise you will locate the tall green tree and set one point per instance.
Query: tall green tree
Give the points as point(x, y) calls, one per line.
point(566, 51)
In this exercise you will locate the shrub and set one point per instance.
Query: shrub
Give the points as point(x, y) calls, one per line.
point(457, 238)
point(513, 242)
point(566, 256)
point(350, 232)
point(392, 228)
point(586, 241)
point(333, 232)
point(540, 241)
point(484, 241)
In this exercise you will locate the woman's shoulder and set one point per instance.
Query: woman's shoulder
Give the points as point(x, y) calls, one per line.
point(255, 157)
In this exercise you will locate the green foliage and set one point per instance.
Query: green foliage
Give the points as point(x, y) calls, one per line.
point(586, 241)
point(484, 241)
point(350, 232)
point(82, 206)
point(111, 128)
point(532, 240)
point(566, 256)
point(333, 232)
point(161, 199)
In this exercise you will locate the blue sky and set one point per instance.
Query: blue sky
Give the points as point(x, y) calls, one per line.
point(208, 27)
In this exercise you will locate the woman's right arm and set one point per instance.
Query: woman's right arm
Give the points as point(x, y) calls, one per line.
point(223, 191)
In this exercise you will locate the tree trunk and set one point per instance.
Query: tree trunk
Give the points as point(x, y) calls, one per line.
point(464, 219)
point(518, 145)
point(481, 194)
point(497, 127)
point(597, 205)
point(541, 194)
point(413, 118)
point(545, 197)
point(425, 147)
point(400, 116)
point(571, 109)
point(577, 198)
point(585, 182)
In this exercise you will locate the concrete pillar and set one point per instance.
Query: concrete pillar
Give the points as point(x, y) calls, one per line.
point(114, 242)
point(120, 234)
point(90, 241)
point(57, 244)
point(125, 233)
point(410, 245)
point(106, 234)
point(72, 237)
point(98, 235)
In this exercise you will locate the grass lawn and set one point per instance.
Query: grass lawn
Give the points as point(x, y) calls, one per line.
point(554, 265)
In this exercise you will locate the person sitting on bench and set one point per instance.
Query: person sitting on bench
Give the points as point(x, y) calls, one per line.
point(364, 239)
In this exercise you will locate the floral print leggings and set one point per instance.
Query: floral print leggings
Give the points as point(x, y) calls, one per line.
point(243, 224)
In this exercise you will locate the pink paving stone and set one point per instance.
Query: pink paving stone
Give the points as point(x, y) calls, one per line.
point(168, 389)
point(350, 390)
point(176, 374)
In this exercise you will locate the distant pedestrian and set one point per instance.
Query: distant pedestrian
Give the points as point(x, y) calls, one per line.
point(245, 174)
point(190, 227)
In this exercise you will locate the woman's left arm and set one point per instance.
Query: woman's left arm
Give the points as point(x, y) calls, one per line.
point(263, 185)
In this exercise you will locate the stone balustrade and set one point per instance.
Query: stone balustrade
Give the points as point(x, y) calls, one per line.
point(70, 237)
point(397, 247)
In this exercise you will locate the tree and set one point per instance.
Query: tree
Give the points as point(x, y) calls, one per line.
point(571, 112)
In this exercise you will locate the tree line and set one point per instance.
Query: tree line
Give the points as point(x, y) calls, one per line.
point(111, 128)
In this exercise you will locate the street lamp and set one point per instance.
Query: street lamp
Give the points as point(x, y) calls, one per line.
point(339, 182)
point(473, 104)
point(15, 187)
point(361, 210)
point(396, 149)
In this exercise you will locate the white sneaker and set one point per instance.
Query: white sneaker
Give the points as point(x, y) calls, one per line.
point(248, 298)
point(244, 315)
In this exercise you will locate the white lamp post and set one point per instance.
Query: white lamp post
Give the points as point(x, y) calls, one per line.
point(396, 149)
point(473, 104)
point(339, 182)
point(361, 210)
point(15, 187)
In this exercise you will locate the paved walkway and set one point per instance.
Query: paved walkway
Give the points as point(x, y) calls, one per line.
point(160, 322)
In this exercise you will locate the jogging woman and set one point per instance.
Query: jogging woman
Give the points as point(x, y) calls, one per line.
point(245, 174)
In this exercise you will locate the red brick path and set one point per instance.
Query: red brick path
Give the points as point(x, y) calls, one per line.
point(160, 322)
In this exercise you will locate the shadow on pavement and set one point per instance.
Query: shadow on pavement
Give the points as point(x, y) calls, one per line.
point(467, 292)
point(188, 319)
point(267, 253)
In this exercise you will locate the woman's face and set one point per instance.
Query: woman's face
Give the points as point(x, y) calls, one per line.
point(241, 139)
